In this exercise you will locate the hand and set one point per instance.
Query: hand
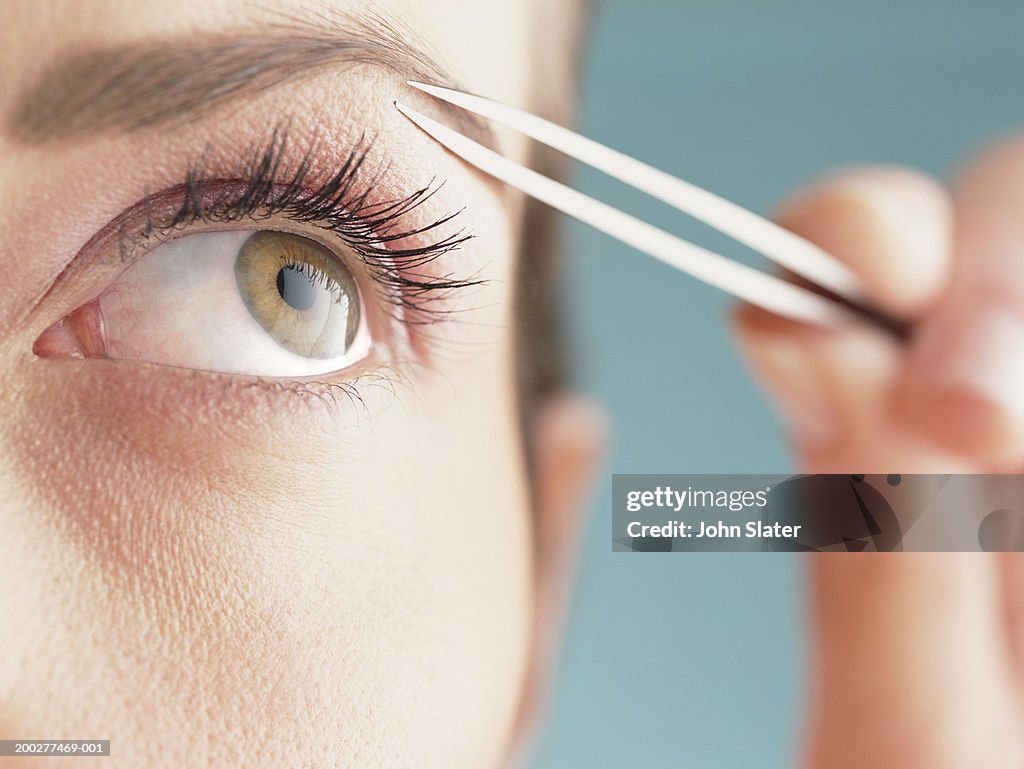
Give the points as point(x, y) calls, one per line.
point(918, 658)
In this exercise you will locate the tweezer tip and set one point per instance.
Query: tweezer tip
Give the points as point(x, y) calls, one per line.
point(408, 112)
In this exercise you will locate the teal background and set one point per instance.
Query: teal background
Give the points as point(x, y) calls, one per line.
point(697, 661)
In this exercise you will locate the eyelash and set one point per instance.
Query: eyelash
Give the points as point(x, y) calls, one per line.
point(269, 188)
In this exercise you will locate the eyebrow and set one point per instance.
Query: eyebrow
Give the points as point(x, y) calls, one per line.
point(141, 85)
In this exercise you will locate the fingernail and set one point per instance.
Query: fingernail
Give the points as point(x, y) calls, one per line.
point(918, 217)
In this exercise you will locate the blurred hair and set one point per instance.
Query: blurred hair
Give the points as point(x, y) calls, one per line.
point(543, 361)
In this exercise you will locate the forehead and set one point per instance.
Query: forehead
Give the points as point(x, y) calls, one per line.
point(484, 44)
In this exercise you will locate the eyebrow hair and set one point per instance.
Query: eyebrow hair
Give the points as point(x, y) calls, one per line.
point(143, 84)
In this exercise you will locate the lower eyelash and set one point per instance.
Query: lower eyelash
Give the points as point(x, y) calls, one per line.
point(350, 396)
point(341, 205)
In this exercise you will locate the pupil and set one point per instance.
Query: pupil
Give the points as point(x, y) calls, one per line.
point(296, 288)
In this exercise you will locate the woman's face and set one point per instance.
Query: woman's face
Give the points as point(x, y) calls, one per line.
point(262, 500)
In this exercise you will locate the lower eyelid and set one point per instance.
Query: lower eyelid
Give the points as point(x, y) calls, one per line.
point(198, 396)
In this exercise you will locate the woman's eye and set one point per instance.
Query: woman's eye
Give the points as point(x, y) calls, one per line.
point(263, 303)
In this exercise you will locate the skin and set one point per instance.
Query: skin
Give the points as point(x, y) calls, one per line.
point(214, 572)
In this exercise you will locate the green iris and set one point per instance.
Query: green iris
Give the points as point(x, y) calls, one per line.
point(299, 292)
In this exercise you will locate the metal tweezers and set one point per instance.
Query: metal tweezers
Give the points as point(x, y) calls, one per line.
point(841, 297)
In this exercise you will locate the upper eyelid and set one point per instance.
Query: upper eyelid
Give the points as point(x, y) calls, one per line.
point(394, 246)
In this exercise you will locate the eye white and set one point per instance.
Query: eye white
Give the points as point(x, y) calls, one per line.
point(179, 305)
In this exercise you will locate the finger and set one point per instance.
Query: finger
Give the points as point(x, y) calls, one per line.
point(833, 391)
point(910, 666)
point(802, 370)
point(891, 225)
point(964, 381)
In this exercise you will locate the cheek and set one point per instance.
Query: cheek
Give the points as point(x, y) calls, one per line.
point(326, 582)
